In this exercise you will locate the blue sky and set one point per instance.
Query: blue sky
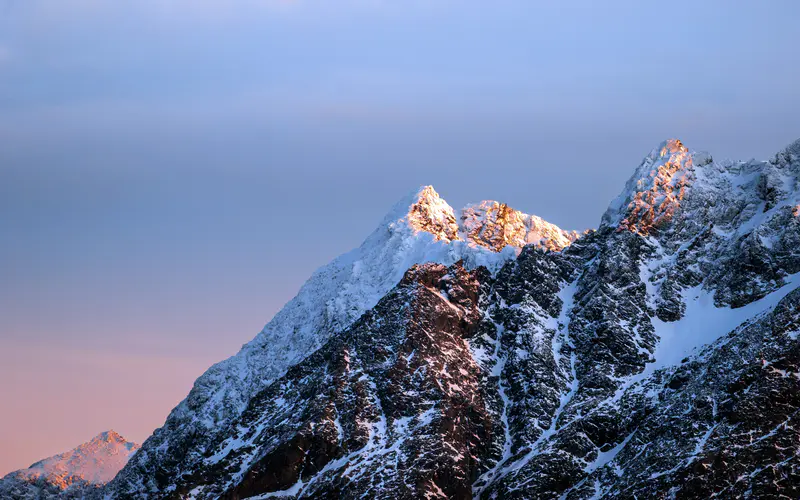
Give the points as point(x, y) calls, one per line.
point(172, 171)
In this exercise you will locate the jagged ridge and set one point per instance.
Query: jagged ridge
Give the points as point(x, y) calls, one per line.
point(519, 372)
point(570, 363)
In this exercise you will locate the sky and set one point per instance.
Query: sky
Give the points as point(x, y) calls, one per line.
point(172, 171)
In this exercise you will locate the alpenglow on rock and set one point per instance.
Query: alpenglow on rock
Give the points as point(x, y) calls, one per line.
point(74, 474)
point(489, 354)
point(420, 228)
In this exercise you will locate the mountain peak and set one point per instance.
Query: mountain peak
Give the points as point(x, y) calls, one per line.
point(109, 439)
point(109, 436)
point(488, 224)
point(94, 462)
point(431, 214)
point(655, 191)
point(671, 146)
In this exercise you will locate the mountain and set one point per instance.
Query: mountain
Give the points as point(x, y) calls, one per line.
point(490, 354)
point(419, 228)
point(72, 474)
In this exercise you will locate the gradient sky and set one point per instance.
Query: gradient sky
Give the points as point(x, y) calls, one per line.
point(172, 171)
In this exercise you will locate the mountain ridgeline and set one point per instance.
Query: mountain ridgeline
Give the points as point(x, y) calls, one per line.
point(487, 353)
point(78, 473)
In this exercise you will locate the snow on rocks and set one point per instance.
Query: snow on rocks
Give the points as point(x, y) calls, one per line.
point(73, 473)
point(420, 228)
point(496, 225)
point(637, 360)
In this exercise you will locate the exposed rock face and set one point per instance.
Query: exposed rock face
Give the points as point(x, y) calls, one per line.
point(656, 357)
point(420, 228)
point(392, 405)
point(73, 474)
point(496, 225)
point(431, 214)
point(660, 185)
point(487, 224)
point(722, 423)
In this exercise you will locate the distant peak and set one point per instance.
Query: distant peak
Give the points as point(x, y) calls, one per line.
point(109, 439)
point(96, 462)
point(110, 436)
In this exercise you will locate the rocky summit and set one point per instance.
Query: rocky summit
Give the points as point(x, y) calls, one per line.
point(487, 353)
point(78, 473)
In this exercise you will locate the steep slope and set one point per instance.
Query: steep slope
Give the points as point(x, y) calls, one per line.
point(72, 474)
point(722, 423)
point(655, 357)
point(690, 250)
point(371, 411)
point(420, 228)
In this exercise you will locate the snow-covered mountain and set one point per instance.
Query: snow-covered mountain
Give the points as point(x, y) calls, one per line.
point(73, 474)
point(420, 228)
point(490, 354)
